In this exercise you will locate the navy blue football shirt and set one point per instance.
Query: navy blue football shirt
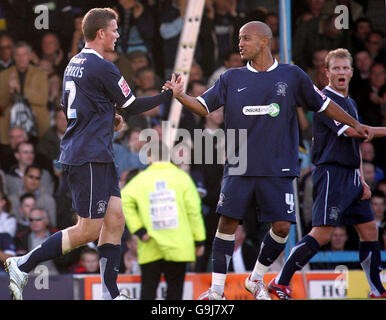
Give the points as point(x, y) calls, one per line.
point(265, 104)
point(92, 87)
point(330, 144)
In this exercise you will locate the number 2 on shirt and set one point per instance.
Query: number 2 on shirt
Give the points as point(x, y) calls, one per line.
point(70, 86)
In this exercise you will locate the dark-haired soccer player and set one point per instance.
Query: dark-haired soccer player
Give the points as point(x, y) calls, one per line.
point(92, 87)
point(262, 98)
point(341, 195)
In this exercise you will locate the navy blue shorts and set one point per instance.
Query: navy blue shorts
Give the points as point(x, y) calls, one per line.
point(274, 196)
point(337, 193)
point(92, 184)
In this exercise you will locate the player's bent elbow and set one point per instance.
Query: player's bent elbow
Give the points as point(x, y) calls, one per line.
point(200, 109)
point(203, 112)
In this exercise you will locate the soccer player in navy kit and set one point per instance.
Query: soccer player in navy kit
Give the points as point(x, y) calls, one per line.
point(262, 98)
point(341, 195)
point(92, 88)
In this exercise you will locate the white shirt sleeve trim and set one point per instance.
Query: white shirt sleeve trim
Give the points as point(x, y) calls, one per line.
point(325, 104)
point(202, 101)
point(342, 130)
point(129, 102)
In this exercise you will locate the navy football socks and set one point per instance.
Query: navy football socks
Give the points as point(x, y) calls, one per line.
point(370, 259)
point(109, 261)
point(48, 250)
point(222, 252)
point(303, 251)
point(270, 250)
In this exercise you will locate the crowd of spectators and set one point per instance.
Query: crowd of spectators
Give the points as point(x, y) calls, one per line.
point(35, 200)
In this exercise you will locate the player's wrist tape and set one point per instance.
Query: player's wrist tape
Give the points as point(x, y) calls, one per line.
point(143, 104)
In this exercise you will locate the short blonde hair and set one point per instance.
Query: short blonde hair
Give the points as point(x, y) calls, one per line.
point(338, 53)
point(95, 19)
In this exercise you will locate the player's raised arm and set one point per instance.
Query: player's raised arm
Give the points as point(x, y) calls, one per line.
point(335, 112)
point(193, 104)
point(378, 132)
point(189, 102)
point(140, 105)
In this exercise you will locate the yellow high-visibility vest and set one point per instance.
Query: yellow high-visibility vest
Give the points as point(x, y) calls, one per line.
point(164, 200)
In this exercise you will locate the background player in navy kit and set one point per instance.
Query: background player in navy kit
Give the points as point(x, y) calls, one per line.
point(262, 98)
point(92, 87)
point(341, 195)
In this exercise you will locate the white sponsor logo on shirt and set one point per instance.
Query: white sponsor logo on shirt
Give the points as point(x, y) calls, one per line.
point(124, 87)
point(273, 110)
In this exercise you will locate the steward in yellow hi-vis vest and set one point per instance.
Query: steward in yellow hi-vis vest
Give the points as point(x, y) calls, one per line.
point(163, 208)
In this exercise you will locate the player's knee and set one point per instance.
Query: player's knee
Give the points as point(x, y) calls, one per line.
point(281, 229)
point(91, 235)
point(282, 233)
point(91, 232)
point(82, 237)
point(120, 223)
point(117, 224)
point(369, 234)
point(322, 234)
point(367, 231)
point(227, 225)
point(323, 240)
point(87, 230)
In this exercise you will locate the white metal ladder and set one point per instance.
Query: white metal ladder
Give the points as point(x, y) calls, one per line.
point(183, 63)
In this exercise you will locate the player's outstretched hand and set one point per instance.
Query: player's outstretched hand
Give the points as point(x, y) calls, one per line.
point(365, 131)
point(118, 122)
point(370, 133)
point(176, 84)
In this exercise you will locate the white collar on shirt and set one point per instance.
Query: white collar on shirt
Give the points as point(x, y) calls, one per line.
point(88, 50)
point(336, 92)
point(274, 65)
